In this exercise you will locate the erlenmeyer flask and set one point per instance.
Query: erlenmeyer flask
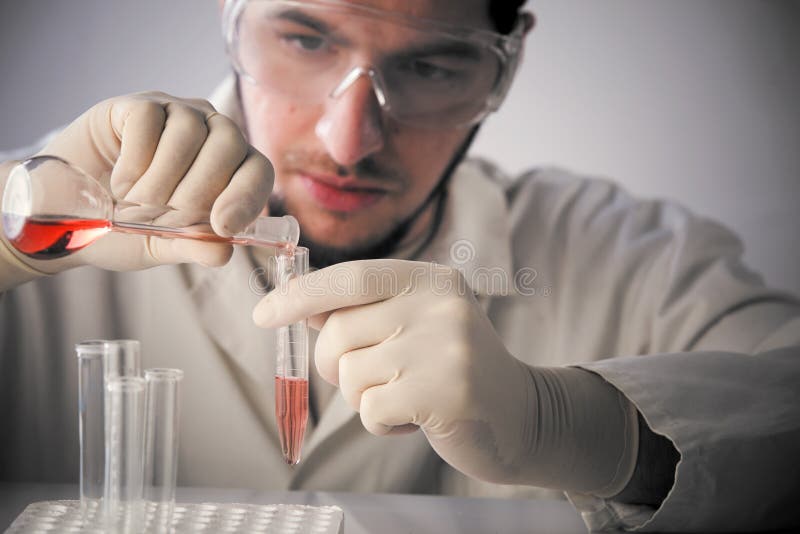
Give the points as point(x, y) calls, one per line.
point(51, 209)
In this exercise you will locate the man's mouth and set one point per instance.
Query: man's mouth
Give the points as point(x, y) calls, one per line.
point(339, 194)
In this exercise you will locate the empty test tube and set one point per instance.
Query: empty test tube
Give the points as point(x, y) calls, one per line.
point(291, 366)
point(123, 358)
point(97, 359)
point(91, 423)
point(161, 444)
point(124, 403)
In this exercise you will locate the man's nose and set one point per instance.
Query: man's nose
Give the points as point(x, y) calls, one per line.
point(351, 128)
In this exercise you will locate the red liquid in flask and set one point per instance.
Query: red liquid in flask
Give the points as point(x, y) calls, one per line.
point(52, 237)
point(291, 411)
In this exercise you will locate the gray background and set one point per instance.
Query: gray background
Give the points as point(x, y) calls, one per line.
point(695, 101)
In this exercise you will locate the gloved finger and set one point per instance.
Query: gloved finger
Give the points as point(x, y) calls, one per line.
point(403, 429)
point(168, 251)
point(385, 407)
point(349, 329)
point(223, 151)
point(318, 321)
point(365, 368)
point(245, 196)
point(347, 284)
point(138, 125)
point(185, 132)
point(201, 104)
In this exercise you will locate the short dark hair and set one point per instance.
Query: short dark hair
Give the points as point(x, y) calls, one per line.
point(504, 13)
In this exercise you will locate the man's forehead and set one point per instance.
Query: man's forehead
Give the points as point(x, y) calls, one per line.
point(467, 13)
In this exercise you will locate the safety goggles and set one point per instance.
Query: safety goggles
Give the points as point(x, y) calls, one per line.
point(423, 72)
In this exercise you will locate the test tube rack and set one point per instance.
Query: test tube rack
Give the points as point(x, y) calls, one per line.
point(65, 516)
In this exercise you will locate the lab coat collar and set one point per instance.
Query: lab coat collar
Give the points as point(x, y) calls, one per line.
point(475, 232)
point(224, 298)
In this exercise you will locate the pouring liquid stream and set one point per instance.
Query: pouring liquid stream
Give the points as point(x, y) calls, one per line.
point(52, 209)
point(50, 237)
point(53, 236)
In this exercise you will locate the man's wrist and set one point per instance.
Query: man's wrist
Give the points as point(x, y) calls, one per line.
point(585, 433)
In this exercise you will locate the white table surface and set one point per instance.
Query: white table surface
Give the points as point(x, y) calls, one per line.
point(364, 513)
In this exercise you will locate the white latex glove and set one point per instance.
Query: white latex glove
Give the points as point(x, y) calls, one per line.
point(409, 346)
point(158, 149)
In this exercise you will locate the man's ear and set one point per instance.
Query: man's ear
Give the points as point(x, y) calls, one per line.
point(527, 16)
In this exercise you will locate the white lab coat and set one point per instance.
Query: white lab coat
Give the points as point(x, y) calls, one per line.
point(632, 290)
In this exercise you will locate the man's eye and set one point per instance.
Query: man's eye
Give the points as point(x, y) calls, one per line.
point(306, 43)
point(431, 72)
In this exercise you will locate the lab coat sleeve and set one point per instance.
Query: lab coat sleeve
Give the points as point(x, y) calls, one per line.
point(659, 304)
point(734, 420)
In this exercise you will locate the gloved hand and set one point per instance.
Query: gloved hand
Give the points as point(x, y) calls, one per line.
point(157, 149)
point(409, 346)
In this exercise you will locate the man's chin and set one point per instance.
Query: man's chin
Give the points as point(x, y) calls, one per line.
point(322, 254)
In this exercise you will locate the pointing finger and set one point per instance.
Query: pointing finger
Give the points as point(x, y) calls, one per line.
point(343, 285)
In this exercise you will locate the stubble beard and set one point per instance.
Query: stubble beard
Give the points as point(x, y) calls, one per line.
point(322, 255)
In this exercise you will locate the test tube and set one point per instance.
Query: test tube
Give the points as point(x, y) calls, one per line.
point(162, 408)
point(98, 359)
point(291, 366)
point(91, 423)
point(123, 358)
point(124, 510)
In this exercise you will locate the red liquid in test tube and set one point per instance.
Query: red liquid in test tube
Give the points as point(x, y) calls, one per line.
point(291, 412)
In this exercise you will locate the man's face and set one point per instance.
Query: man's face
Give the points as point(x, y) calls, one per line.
point(349, 172)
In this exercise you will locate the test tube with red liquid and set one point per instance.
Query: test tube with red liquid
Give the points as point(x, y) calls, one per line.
point(291, 366)
point(52, 209)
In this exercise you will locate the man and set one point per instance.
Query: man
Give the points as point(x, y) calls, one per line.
point(566, 337)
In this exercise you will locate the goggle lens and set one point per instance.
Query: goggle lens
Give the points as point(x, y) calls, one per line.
point(305, 50)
